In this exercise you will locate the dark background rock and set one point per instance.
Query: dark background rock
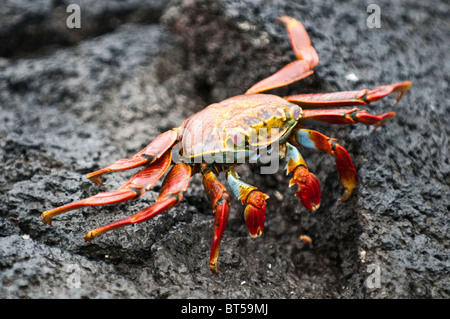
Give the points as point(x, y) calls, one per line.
point(72, 101)
point(33, 27)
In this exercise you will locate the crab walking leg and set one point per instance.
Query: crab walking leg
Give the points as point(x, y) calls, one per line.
point(148, 155)
point(349, 98)
point(294, 71)
point(344, 164)
point(346, 116)
point(300, 41)
point(254, 201)
point(141, 182)
point(308, 185)
point(172, 190)
point(220, 202)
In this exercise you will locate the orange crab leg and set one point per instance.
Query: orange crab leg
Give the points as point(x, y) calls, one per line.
point(346, 116)
point(349, 98)
point(308, 185)
point(172, 190)
point(294, 71)
point(220, 202)
point(148, 155)
point(300, 41)
point(344, 164)
point(254, 200)
point(132, 189)
point(291, 73)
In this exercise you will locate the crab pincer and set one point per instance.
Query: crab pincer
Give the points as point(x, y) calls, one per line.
point(308, 188)
point(255, 212)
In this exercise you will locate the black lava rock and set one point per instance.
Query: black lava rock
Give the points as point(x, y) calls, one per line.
point(72, 101)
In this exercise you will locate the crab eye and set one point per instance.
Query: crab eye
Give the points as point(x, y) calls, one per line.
point(235, 139)
point(296, 112)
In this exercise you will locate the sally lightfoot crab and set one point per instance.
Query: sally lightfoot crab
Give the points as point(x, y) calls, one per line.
point(238, 130)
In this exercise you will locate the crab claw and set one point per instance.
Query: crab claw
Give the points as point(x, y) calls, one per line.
point(346, 171)
point(255, 213)
point(308, 188)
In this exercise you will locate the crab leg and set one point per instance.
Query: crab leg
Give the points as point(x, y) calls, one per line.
point(172, 190)
point(349, 98)
point(141, 182)
point(344, 164)
point(255, 201)
point(294, 71)
point(308, 185)
point(345, 116)
point(220, 202)
point(148, 155)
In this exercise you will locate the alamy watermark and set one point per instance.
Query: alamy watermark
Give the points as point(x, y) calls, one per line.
point(74, 276)
point(373, 281)
point(74, 19)
point(222, 145)
point(374, 19)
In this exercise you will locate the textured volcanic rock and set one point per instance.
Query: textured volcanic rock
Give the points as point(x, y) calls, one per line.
point(137, 69)
point(33, 27)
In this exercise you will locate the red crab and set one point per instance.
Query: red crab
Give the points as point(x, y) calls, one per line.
point(236, 130)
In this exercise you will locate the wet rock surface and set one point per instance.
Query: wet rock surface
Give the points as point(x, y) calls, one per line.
point(71, 107)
